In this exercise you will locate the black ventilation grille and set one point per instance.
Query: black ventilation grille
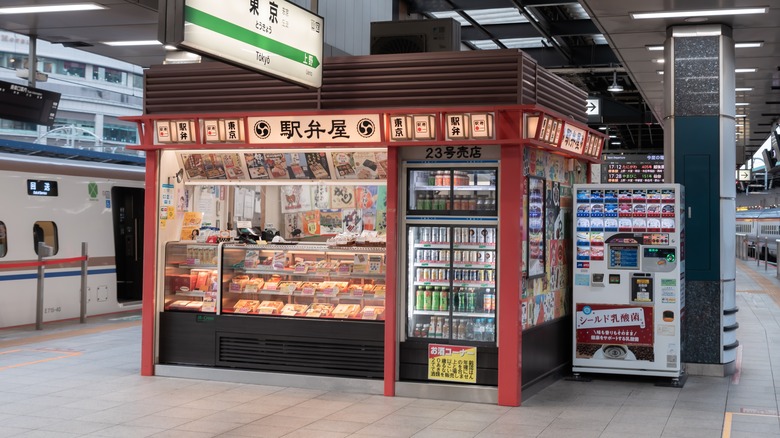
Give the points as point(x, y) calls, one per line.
point(296, 355)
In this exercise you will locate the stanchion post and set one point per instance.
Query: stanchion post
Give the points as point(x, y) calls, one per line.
point(83, 312)
point(39, 290)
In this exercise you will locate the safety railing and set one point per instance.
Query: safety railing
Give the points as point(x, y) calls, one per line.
point(46, 251)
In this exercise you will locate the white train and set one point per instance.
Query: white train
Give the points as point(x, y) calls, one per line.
point(64, 203)
point(760, 225)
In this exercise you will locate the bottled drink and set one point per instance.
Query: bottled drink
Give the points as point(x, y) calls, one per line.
point(445, 329)
point(490, 330)
point(427, 298)
point(431, 178)
point(479, 330)
point(462, 329)
point(417, 330)
point(424, 332)
point(435, 298)
point(470, 330)
point(420, 302)
point(439, 327)
point(444, 299)
point(439, 178)
point(472, 299)
point(461, 300)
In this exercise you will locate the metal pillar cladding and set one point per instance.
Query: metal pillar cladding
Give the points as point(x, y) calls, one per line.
point(700, 151)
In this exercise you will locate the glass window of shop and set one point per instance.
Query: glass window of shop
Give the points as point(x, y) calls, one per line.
point(12, 60)
point(71, 68)
point(46, 232)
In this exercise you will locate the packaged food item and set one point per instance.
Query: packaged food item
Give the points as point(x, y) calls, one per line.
point(293, 309)
point(373, 312)
point(245, 306)
point(346, 310)
point(270, 307)
point(254, 284)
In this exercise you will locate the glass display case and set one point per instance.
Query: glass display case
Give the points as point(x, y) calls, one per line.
point(304, 280)
point(451, 282)
point(191, 277)
point(453, 192)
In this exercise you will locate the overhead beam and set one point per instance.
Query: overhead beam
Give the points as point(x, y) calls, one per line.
point(526, 30)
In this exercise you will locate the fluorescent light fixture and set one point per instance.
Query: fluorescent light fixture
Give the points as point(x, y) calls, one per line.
point(699, 13)
point(739, 116)
point(742, 104)
point(616, 143)
point(660, 72)
point(659, 60)
point(744, 70)
point(749, 44)
point(602, 128)
point(655, 48)
point(743, 89)
point(51, 8)
point(132, 43)
point(613, 136)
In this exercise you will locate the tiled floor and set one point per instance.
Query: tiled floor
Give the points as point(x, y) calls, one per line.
point(76, 383)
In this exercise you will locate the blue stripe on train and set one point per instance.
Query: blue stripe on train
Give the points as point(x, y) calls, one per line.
point(57, 274)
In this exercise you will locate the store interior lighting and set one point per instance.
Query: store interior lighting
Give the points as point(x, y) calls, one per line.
point(698, 13)
point(68, 7)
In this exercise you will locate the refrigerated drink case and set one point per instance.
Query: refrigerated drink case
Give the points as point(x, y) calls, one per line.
point(451, 267)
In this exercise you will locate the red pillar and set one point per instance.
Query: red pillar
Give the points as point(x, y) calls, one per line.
point(511, 189)
point(149, 307)
point(391, 260)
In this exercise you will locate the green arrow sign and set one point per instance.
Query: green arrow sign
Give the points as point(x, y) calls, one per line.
point(218, 25)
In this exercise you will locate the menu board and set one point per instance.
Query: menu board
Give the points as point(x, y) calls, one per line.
point(635, 168)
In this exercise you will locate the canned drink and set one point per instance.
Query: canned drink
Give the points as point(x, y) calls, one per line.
point(443, 274)
point(481, 275)
point(435, 234)
point(444, 256)
point(482, 235)
point(480, 256)
point(425, 234)
point(444, 234)
point(434, 275)
point(491, 235)
point(464, 235)
point(488, 256)
point(473, 256)
point(456, 256)
point(490, 276)
point(419, 255)
point(474, 275)
point(458, 276)
point(473, 235)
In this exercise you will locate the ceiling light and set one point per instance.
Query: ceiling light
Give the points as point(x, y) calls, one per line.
point(739, 116)
point(744, 70)
point(699, 13)
point(615, 87)
point(132, 43)
point(613, 136)
point(602, 128)
point(660, 72)
point(749, 44)
point(744, 89)
point(659, 60)
point(616, 143)
point(51, 8)
point(655, 48)
point(741, 104)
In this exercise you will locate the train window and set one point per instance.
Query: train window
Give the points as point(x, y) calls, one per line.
point(3, 240)
point(46, 232)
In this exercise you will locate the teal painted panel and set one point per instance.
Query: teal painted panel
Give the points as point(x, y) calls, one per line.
point(697, 154)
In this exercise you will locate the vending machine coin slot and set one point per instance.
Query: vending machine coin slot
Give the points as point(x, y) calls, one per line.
point(658, 259)
point(597, 280)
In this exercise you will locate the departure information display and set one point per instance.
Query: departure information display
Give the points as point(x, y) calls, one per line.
point(632, 168)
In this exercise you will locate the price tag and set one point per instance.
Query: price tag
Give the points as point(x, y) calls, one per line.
point(329, 292)
point(244, 309)
point(288, 289)
point(265, 310)
point(308, 290)
point(250, 287)
point(314, 314)
point(343, 269)
point(322, 272)
point(300, 268)
point(280, 259)
point(369, 314)
point(289, 312)
point(357, 292)
point(235, 287)
point(271, 286)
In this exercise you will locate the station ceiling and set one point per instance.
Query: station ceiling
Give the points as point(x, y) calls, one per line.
point(591, 43)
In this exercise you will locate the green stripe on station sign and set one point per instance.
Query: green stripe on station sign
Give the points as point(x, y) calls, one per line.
point(239, 33)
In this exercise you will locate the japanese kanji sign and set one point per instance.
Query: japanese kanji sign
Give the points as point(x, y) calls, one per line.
point(348, 128)
point(271, 36)
point(609, 324)
point(453, 363)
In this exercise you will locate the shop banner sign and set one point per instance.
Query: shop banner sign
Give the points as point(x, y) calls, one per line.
point(452, 363)
point(330, 129)
point(614, 324)
point(276, 37)
point(573, 139)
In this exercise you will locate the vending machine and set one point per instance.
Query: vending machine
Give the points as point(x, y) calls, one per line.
point(629, 279)
point(450, 255)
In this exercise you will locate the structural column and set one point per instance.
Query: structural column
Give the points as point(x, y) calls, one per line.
point(700, 151)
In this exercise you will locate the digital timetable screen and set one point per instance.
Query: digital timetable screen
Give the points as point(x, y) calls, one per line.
point(632, 168)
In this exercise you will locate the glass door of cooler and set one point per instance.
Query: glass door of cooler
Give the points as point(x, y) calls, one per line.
point(451, 278)
point(453, 192)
